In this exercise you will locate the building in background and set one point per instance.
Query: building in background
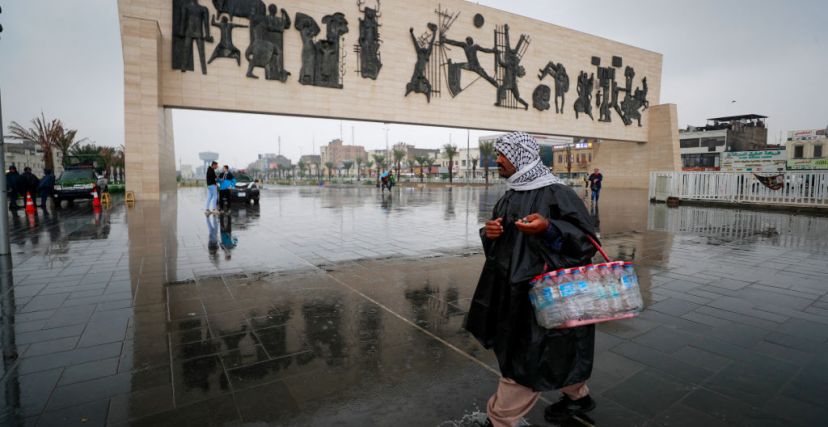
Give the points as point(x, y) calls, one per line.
point(574, 159)
point(186, 172)
point(336, 152)
point(702, 147)
point(270, 165)
point(313, 162)
point(27, 154)
point(806, 149)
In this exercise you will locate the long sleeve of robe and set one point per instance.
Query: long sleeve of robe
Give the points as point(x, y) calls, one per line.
point(501, 317)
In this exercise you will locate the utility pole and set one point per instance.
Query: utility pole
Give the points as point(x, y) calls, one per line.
point(468, 150)
point(5, 249)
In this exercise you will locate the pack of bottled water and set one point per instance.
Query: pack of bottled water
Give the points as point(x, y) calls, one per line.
point(584, 295)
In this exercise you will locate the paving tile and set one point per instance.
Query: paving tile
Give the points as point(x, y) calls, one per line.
point(53, 346)
point(89, 370)
point(663, 362)
point(68, 358)
point(49, 334)
point(674, 306)
point(85, 415)
point(648, 393)
point(729, 411)
point(754, 380)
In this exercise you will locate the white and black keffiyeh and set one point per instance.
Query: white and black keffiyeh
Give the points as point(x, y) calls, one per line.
point(524, 153)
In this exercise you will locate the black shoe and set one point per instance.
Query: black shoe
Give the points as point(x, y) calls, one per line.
point(566, 408)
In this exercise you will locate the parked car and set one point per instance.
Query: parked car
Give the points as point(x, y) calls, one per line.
point(246, 189)
point(78, 182)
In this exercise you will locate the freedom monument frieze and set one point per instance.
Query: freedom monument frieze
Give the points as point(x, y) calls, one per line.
point(447, 63)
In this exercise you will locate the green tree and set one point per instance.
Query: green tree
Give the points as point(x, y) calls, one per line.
point(359, 161)
point(86, 153)
point(399, 155)
point(43, 134)
point(368, 165)
point(302, 166)
point(65, 141)
point(449, 152)
point(487, 151)
point(379, 159)
point(347, 165)
point(329, 166)
point(430, 162)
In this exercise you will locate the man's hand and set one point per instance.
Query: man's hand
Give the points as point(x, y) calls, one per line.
point(532, 224)
point(494, 228)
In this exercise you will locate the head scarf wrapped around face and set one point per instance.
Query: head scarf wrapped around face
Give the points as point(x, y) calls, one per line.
point(524, 153)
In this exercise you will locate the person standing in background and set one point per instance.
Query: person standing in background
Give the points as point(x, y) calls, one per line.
point(212, 189)
point(595, 180)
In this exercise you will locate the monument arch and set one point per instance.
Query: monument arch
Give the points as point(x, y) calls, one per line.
point(478, 67)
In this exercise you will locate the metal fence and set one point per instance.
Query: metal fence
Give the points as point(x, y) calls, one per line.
point(797, 188)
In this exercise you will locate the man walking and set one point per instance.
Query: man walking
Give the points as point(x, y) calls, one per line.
point(595, 180)
point(538, 224)
point(46, 187)
point(12, 186)
point(212, 189)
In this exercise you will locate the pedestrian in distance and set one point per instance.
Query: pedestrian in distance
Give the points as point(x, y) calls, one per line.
point(30, 182)
point(384, 181)
point(226, 182)
point(595, 180)
point(539, 224)
point(46, 187)
point(12, 187)
point(212, 189)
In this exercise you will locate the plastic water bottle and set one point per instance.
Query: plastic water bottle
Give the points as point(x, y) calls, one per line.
point(612, 291)
point(567, 292)
point(597, 293)
point(629, 281)
point(577, 291)
point(616, 274)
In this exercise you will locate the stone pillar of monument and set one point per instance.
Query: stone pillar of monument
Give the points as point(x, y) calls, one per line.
point(148, 132)
point(627, 164)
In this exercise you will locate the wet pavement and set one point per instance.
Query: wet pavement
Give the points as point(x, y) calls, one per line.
point(345, 307)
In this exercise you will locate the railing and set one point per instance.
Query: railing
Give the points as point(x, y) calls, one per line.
point(797, 188)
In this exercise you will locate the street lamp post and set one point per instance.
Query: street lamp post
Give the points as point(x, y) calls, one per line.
point(5, 249)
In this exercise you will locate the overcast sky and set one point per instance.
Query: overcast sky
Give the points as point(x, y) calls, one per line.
point(63, 57)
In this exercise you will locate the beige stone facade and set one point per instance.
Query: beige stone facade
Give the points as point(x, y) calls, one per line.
point(151, 85)
point(628, 164)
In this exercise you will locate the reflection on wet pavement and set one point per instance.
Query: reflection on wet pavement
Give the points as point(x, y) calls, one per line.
point(330, 306)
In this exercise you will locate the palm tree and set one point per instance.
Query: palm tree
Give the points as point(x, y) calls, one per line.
point(368, 165)
point(474, 167)
point(422, 161)
point(302, 166)
point(65, 141)
point(487, 150)
point(359, 162)
point(430, 163)
point(379, 159)
point(86, 152)
point(330, 166)
point(347, 165)
point(43, 134)
point(449, 151)
point(398, 154)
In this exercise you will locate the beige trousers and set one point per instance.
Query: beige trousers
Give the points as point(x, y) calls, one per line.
point(513, 401)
